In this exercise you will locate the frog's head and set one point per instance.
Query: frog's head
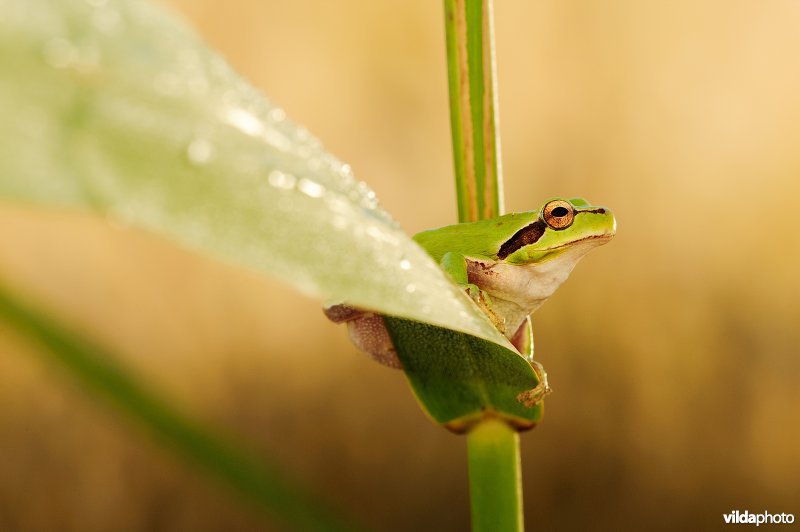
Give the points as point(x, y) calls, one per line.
point(566, 228)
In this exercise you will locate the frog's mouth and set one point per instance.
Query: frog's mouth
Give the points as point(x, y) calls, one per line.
point(601, 236)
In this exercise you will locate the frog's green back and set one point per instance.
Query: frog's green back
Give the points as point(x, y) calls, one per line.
point(474, 239)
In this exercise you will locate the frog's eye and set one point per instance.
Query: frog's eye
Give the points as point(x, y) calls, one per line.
point(558, 214)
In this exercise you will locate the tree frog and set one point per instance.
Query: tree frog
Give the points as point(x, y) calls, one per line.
point(509, 265)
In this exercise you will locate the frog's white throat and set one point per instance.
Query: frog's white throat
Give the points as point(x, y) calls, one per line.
point(517, 290)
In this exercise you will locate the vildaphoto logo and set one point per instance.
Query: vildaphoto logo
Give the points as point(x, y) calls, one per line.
point(766, 518)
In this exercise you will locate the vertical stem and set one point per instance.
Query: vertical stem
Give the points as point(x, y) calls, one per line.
point(493, 446)
point(473, 104)
point(494, 477)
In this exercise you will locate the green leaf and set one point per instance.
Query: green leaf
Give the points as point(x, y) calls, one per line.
point(460, 379)
point(122, 111)
point(262, 485)
point(117, 108)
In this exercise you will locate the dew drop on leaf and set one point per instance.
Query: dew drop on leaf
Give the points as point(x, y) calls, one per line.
point(310, 188)
point(276, 115)
point(245, 122)
point(339, 223)
point(281, 180)
point(200, 152)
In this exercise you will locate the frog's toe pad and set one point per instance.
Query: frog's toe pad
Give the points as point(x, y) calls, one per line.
point(531, 398)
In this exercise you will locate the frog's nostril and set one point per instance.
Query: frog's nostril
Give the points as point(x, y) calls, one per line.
point(558, 212)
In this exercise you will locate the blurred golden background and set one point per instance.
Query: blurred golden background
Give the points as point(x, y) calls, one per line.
point(673, 351)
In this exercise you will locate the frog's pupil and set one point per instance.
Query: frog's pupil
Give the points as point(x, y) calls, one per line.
point(558, 212)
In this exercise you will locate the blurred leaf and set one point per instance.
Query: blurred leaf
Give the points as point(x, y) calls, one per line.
point(460, 379)
point(97, 371)
point(118, 109)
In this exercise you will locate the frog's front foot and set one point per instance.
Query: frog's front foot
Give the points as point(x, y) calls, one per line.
point(482, 299)
point(531, 398)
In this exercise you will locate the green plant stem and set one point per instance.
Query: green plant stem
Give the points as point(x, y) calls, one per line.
point(473, 104)
point(494, 477)
point(97, 371)
point(493, 446)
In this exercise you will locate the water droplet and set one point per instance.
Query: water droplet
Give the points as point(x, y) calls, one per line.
point(277, 139)
point(281, 180)
point(311, 188)
point(366, 197)
point(200, 151)
point(277, 115)
point(59, 53)
point(339, 223)
point(337, 204)
point(410, 288)
point(405, 264)
point(244, 121)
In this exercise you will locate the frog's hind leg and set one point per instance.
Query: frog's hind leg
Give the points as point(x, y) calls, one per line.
point(523, 341)
point(367, 331)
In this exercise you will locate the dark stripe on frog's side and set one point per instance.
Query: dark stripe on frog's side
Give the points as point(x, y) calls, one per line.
point(525, 236)
point(531, 233)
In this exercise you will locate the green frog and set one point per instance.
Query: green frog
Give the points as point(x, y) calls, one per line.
point(509, 265)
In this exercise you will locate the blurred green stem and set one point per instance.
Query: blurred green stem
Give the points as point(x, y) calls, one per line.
point(493, 446)
point(494, 477)
point(473, 108)
point(97, 371)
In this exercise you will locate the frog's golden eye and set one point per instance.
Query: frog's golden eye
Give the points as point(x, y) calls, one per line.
point(558, 214)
